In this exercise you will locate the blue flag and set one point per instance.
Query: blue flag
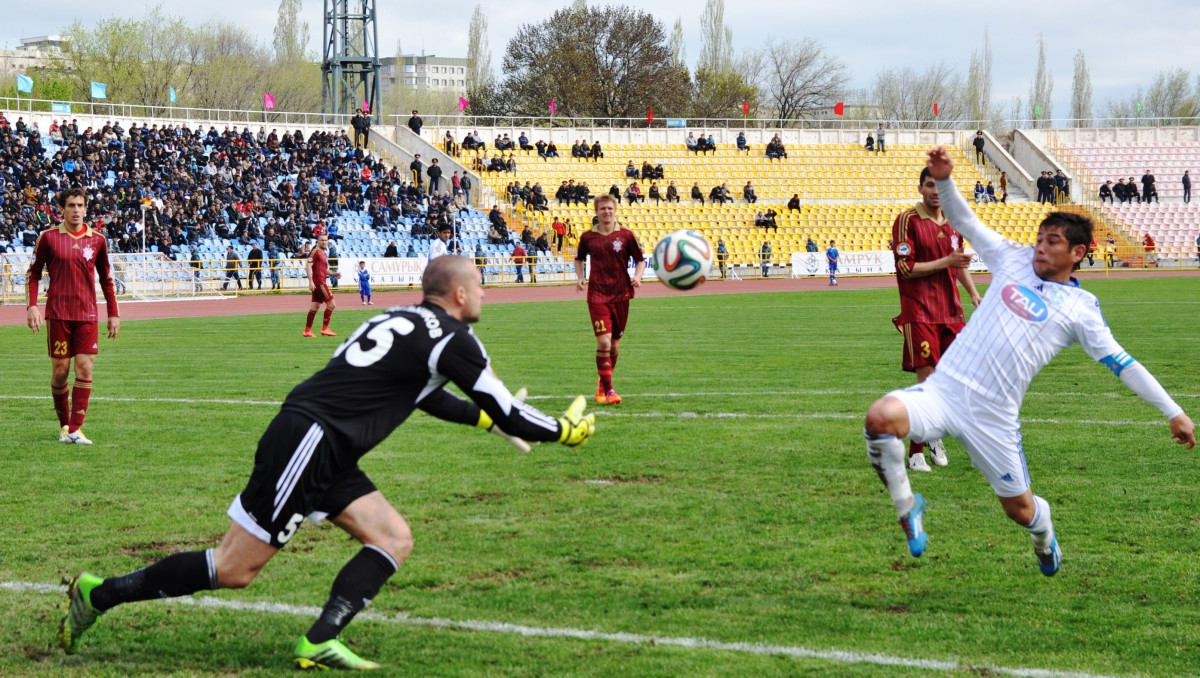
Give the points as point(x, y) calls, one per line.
point(99, 90)
point(172, 94)
point(24, 83)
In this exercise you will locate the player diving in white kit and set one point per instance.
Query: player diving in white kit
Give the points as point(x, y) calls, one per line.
point(1032, 310)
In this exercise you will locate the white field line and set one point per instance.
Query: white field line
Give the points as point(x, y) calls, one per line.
point(839, 415)
point(568, 396)
point(843, 656)
point(690, 415)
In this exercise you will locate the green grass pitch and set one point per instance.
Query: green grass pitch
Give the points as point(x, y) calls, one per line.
point(727, 499)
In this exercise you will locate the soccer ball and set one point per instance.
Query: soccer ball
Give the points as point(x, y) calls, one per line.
point(683, 259)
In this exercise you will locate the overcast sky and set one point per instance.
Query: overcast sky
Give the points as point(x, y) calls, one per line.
point(1125, 44)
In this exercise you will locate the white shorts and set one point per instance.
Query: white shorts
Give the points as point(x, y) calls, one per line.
point(940, 407)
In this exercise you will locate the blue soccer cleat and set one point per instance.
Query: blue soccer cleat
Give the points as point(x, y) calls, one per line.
point(1051, 560)
point(913, 524)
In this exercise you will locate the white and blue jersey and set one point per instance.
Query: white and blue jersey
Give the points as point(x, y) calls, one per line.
point(1023, 321)
point(831, 255)
point(364, 281)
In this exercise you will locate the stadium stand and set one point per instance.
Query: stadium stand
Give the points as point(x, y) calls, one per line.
point(815, 173)
point(208, 189)
point(204, 190)
point(844, 193)
point(1173, 225)
point(1112, 160)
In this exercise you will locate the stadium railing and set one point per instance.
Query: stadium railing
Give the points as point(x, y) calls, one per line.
point(136, 277)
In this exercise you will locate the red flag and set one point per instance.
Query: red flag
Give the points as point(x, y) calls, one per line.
point(553, 107)
point(935, 108)
point(462, 104)
point(268, 101)
point(650, 116)
point(745, 107)
point(839, 108)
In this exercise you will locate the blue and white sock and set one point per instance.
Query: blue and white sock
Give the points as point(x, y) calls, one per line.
point(1041, 530)
point(886, 455)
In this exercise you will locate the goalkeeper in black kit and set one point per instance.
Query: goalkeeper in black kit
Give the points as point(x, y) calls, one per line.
point(306, 465)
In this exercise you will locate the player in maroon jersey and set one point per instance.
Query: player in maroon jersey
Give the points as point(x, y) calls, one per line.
point(930, 263)
point(74, 255)
point(317, 269)
point(609, 287)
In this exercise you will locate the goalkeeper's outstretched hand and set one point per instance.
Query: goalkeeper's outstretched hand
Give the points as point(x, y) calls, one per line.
point(486, 422)
point(577, 427)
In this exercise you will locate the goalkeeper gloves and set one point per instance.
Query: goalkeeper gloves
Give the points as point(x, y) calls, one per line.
point(576, 426)
point(485, 422)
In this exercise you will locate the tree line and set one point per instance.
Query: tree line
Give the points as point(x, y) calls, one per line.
point(218, 64)
point(593, 62)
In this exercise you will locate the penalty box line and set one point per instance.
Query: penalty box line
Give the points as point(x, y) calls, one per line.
point(796, 652)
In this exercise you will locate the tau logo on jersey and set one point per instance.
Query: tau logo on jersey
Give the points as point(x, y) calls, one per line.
point(1024, 303)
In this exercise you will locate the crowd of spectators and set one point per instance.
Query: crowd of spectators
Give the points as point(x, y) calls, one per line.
point(646, 172)
point(775, 149)
point(498, 163)
point(573, 193)
point(276, 189)
point(532, 196)
point(985, 194)
point(1128, 192)
point(701, 145)
point(1054, 186)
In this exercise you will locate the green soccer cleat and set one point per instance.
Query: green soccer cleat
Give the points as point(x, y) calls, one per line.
point(331, 654)
point(80, 614)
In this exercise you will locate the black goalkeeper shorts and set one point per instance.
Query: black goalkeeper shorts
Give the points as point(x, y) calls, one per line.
point(296, 475)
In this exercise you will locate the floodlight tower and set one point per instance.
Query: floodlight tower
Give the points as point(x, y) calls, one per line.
point(350, 67)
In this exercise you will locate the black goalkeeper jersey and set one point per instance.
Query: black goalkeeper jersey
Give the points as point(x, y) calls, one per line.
point(400, 360)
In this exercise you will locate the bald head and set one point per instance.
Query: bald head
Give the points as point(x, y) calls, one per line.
point(452, 282)
point(444, 274)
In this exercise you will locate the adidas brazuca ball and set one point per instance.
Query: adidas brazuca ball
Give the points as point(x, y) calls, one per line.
point(683, 259)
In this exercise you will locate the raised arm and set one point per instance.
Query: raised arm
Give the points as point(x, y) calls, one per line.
point(987, 243)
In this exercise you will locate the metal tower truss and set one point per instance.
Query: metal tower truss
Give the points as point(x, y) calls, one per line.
point(350, 67)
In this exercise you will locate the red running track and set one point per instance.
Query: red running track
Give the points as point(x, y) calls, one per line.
point(254, 304)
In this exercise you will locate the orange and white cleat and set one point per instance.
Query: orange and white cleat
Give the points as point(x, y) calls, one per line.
point(611, 398)
point(308, 332)
point(601, 394)
point(326, 332)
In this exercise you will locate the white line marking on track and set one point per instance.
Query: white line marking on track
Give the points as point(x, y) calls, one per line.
point(843, 656)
